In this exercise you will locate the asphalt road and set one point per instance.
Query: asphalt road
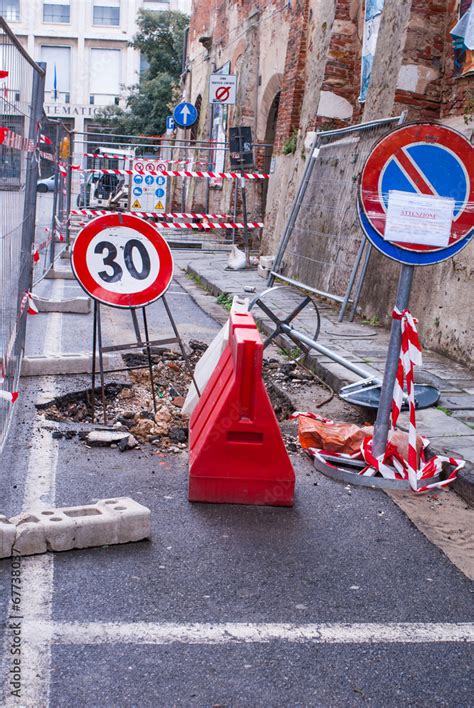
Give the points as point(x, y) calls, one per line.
point(206, 614)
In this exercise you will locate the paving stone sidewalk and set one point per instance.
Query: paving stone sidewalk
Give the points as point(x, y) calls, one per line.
point(449, 426)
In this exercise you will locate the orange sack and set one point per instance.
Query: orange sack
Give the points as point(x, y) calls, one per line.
point(330, 436)
point(346, 437)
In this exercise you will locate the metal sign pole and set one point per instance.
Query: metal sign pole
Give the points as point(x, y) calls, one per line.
point(382, 423)
point(55, 196)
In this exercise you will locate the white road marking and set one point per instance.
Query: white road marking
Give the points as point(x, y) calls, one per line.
point(94, 633)
point(37, 571)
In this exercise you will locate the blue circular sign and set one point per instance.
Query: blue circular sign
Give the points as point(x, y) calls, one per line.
point(185, 114)
point(137, 191)
point(426, 159)
point(160, 180)
point(138, 179)
point(149, 179)
point(160, 192)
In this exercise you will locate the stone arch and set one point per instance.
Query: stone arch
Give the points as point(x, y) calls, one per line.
point(272, 88)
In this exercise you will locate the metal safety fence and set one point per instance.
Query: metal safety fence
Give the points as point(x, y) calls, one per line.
point(322, 247)
point(21, 105)
point(185, 193)
point(53, 196)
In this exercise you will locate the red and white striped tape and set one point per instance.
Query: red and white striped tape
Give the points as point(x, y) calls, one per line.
point(206, 225)
point(11, 397)
point(38, 247)
point(105, 156)
point(425, 474)
point(188, 173)
point(391, 465)
point(28, 303)
point(149, 214)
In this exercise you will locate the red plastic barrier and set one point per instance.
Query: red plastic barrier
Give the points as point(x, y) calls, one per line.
point(237, 454)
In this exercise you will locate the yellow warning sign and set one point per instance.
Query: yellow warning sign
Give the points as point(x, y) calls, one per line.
point(159, 205)
point(136, 204)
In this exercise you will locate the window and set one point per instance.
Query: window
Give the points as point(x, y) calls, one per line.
point(10, 10)
point(104, 76)
point(107, 12)
point(58, 72)
point(156, 6)
point(144, 64)
point(56, 11)
point(11, 159)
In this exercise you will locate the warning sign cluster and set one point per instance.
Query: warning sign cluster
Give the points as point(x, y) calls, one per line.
point(148, 190)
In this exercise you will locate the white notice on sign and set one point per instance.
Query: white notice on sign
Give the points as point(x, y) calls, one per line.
point(223, 89)
point(418, 218)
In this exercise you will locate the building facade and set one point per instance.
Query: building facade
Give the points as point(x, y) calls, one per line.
point(304, 65)
point(85, 44)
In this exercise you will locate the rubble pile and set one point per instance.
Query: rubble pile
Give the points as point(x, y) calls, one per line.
point(131, 418)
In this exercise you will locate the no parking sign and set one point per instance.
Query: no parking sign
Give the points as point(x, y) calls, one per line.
point(426, 160)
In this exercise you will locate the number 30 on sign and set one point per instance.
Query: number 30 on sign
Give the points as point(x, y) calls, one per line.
point(122, 261)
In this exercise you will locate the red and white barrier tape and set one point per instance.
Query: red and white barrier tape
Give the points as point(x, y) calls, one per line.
point(28, 303)
point(422, 475)
point(186, 173)
point(11, 397)
point(205, 226)
point(38, 247)
point(149, 214)
point(105, 156)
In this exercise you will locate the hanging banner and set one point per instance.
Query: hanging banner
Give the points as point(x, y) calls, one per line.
point(373, 14)
point(463, 40)
point(219, 132)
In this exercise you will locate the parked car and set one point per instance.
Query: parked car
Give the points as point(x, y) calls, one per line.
point(45, 185)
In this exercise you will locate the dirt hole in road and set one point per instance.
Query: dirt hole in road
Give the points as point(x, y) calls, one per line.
point(129, 404)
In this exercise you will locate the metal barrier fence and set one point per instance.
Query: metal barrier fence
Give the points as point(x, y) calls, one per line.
point(322, 248)
point(54, 195)
point(21, 105)
point(96, 152)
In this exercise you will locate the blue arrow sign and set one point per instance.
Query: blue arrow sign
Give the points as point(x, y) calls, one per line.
point(185, 114)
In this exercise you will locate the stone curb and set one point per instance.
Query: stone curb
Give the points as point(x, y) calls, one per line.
point(336, 376)
point(75, 305)
point(62, 364)
point(108, 522)
point(464, 483)
point(54, 274)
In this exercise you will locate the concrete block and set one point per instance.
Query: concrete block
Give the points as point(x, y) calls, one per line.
point(108, 522)
point(62, 364)
point(58, 274)
point(30, 534)
point(263, 272)
point(7, 537)
point(75, 305)
point(266, 262)
point(104, 438)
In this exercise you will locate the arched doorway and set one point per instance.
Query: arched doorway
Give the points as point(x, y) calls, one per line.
point(270, 131)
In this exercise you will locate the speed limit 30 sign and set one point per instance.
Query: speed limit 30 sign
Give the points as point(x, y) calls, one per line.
point(122, 261)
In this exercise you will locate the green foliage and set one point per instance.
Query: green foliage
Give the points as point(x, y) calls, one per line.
point(289, 148)
point(160, 40)
point(225, 299)
point(373, 321)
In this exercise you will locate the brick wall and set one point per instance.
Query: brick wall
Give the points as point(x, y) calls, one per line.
point(293, 87)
